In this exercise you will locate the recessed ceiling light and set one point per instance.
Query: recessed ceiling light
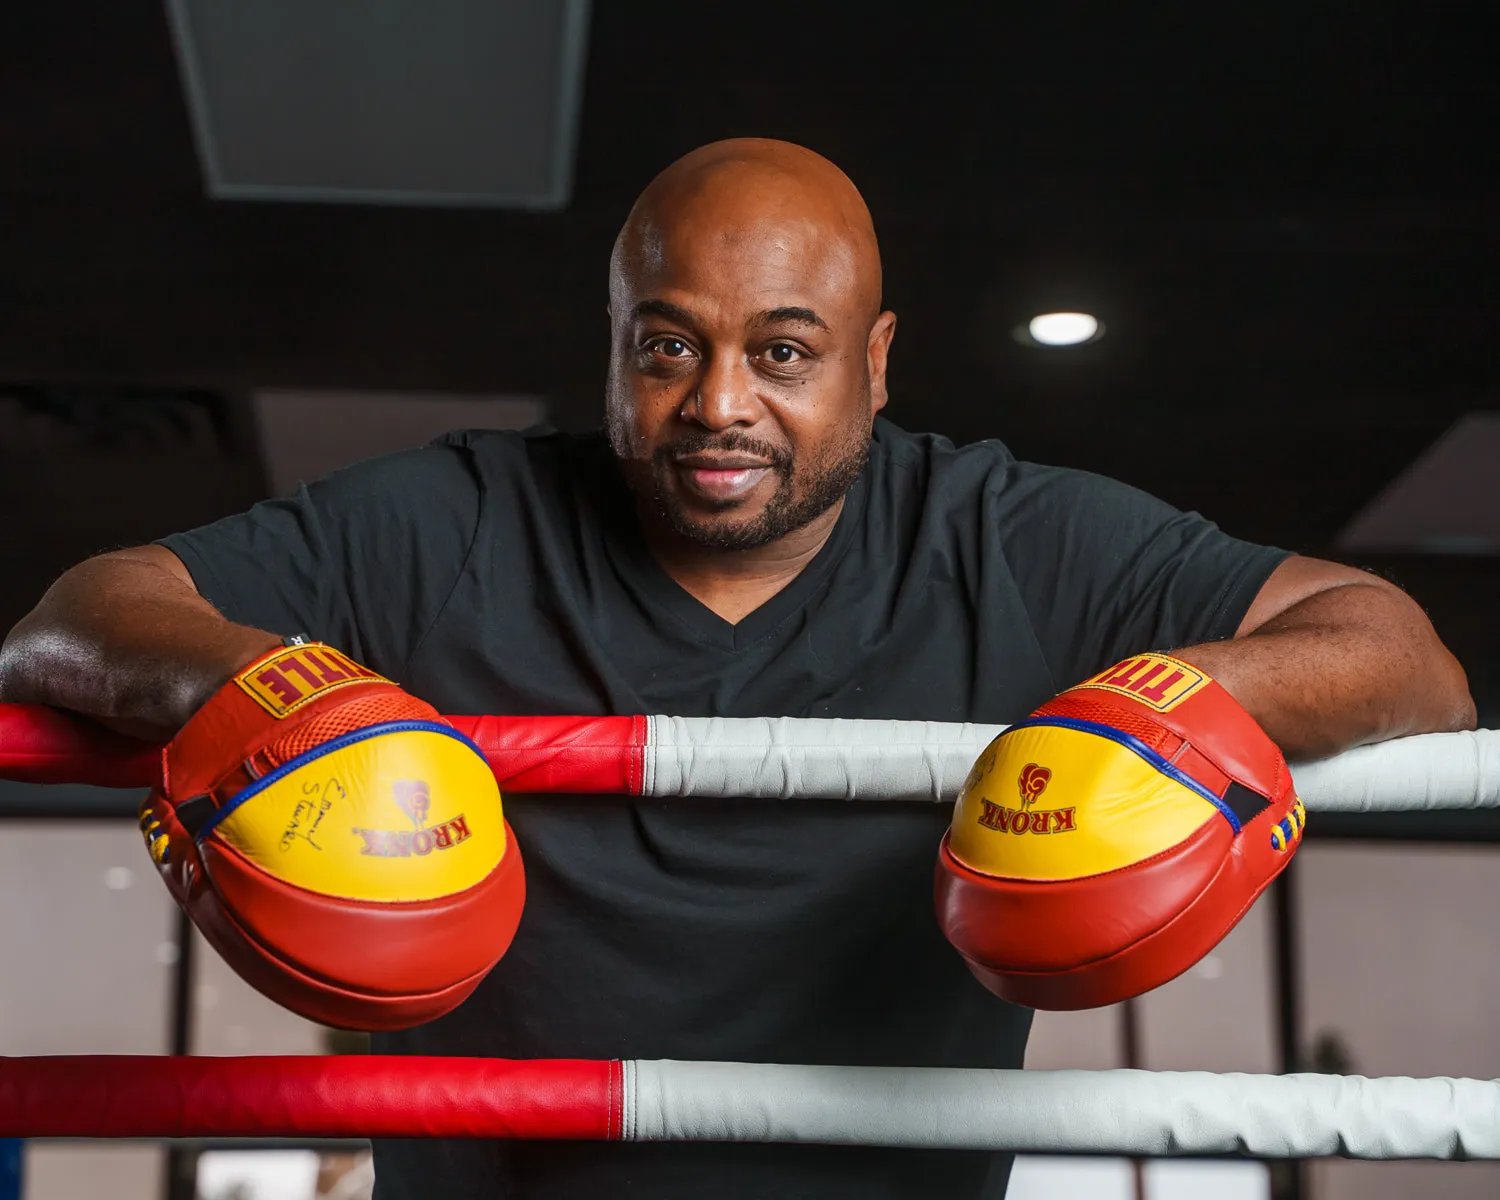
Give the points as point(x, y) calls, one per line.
point(1063, 329)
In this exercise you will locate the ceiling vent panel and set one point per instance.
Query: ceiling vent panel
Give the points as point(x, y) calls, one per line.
point(437, 102)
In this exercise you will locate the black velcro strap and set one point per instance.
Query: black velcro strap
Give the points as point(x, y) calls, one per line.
point(193, 814)
point(1244, 802)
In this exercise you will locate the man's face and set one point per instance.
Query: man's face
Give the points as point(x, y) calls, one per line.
point(744, 375)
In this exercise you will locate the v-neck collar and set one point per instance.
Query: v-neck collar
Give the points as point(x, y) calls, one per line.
point(656, 588)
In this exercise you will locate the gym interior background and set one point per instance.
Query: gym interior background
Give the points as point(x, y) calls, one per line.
point(242, 245)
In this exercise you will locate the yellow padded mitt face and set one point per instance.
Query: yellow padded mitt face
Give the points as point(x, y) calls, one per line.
point(1050, 803)
point(402, 816)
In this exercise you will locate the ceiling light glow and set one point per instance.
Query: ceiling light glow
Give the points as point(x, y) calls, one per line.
point(1063, 328)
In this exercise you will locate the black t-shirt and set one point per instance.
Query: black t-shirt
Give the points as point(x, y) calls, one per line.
point(499, 572)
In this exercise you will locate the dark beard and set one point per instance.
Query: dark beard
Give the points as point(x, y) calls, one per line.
point(798, 499)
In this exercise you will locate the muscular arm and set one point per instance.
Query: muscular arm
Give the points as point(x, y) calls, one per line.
point(1329, 657)
point(126, 639)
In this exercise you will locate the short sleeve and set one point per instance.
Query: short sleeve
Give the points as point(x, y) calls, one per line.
point(364, 559)
point(1106, 570)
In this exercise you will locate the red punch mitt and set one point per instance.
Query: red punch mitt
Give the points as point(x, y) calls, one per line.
point(1107, 843)
point(337, 842)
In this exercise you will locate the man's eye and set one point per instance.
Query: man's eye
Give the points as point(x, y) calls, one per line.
point(782, 354)
point(668, 347)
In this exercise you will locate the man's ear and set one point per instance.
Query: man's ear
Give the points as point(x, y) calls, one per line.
point(877, 354)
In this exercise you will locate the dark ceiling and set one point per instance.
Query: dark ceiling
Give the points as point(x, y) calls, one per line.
point(1284, 213)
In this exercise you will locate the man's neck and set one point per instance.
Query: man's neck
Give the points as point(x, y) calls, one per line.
point(734, 583)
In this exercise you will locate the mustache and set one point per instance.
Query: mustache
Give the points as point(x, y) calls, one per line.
point(728, 442)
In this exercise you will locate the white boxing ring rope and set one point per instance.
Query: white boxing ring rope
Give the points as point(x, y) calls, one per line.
point(1131, 1113)
point(822, 758)
point(1136, 1113)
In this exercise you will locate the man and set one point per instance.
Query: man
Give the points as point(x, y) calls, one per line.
point(749, 540)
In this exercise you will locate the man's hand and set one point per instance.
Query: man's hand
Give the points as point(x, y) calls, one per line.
point(1329, 657)
point(126, 639)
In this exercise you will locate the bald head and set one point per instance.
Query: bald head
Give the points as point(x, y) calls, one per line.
point(749, 349)
point(782, 196)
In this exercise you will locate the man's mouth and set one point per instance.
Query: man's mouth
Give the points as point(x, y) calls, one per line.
point(721, 477)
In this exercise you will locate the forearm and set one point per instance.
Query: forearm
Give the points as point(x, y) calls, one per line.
point(123, 640)
point(1353, 664)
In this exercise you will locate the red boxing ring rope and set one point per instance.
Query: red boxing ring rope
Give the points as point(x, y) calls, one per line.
point(528, 754)
point(142, 1096)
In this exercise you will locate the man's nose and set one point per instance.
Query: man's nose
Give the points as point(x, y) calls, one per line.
point(725, 395)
